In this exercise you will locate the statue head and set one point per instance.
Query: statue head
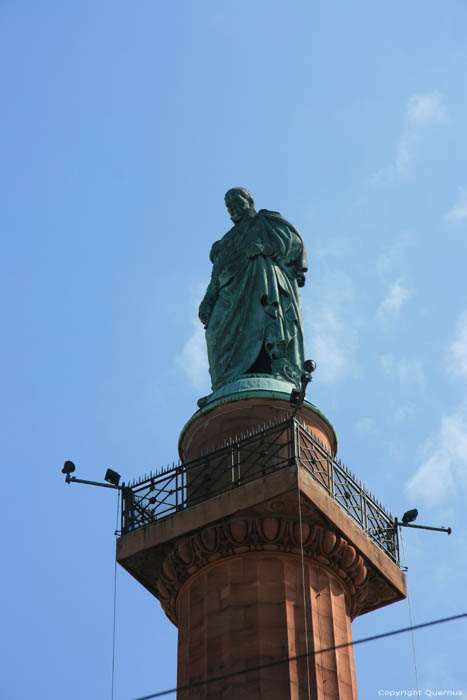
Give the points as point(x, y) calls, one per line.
point(239, 203)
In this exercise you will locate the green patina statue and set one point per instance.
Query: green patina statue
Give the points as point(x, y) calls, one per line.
point(251, 309)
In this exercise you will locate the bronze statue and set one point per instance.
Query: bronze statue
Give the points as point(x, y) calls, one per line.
point(251, 309)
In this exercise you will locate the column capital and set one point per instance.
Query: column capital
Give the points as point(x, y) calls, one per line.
point(189, 554)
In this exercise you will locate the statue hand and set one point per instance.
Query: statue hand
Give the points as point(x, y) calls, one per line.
point(301, 280)
point(204, 313)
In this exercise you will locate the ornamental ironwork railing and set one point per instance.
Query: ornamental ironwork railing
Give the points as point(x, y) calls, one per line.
point(248, 457)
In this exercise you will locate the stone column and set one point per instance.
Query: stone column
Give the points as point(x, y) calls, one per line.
point(238, 575)
point(242, 596)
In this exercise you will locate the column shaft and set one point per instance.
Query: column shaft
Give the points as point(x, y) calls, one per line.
point(248, 610)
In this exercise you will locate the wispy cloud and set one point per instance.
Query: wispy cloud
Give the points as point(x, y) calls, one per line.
point(394, 256)
point(421, 111)
point(331, 321)
point(193, 358)
point(388, 364)
point(426, 108)
point(403, 412)
point(404, 156)
point(459, 211)
point(365, 426)
point(332, 346)
point(444, 468)
point(407, 371)
point(457, 353)
point(392, 304)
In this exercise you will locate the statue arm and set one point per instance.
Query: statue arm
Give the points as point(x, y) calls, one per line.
point(288, 248)
point(207, 305)
point(301, 266)
point(212, 292)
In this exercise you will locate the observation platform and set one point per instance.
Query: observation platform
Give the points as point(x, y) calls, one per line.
point(266, 464)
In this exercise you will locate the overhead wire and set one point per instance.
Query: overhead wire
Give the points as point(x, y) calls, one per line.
point(115, 603)
point(288, 659)
point(303, 582)
point(410, 618)
point(318, 599)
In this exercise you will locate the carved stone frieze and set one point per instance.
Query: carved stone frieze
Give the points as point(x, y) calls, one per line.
point(276, 533)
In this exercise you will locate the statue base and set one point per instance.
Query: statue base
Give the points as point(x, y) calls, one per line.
point(251, 402)
point(247, 383)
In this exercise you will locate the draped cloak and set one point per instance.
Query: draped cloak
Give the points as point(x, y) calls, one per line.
point(253, 303)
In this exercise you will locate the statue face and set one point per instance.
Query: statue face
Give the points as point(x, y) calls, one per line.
point(238, 206)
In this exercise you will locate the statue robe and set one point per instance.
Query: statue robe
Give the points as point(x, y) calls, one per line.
point(255, 322)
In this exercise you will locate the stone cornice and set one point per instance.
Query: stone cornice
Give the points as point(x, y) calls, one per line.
point(174, 564)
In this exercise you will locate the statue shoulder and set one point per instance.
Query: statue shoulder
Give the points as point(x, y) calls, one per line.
point(276, 217)
point(268, 213)
point(281, 225)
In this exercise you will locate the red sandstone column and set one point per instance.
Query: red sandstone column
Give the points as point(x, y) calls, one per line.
point(248, 610)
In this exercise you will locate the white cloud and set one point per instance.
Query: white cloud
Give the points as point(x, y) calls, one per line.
point(422, 110)
point(403, 412)
point(459, 211)
point(407, 371)
point(391, 306)
point(426, 108)
point(457, 354)
point(365, 426)
point(388, 364)
point(410, 372)
point(444, 468)
point(432, 482)
point(394, 255)
point(331, 326)
point(194, 359)
point(326, 334)
point(404, 156)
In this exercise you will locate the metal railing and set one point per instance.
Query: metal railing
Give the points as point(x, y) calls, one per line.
point(248, 457)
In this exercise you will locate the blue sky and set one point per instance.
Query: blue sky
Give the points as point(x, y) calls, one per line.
point(122, 126)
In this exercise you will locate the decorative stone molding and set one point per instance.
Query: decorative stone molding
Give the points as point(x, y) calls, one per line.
point(187, 555)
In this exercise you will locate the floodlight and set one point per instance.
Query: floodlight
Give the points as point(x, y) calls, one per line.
point(112, 477)
point(294, 396)
point(68, 468)
point(410, 516)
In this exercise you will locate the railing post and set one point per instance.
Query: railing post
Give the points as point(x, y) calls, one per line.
point(364, 511)
point(122, 514)
point(330, 465)
point(396, 542)
point(295, 440)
